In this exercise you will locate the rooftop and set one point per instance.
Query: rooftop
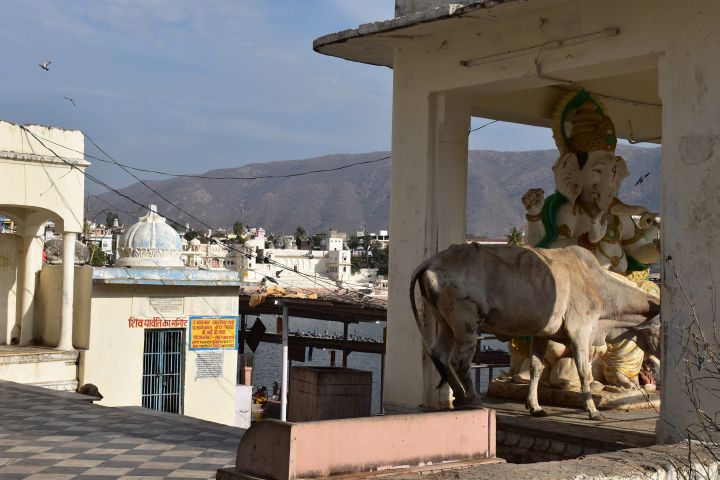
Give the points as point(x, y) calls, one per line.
point(48, 434)
point(373, 43)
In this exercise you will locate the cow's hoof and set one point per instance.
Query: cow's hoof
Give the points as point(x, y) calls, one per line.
point(538, 413)
point(597, 416)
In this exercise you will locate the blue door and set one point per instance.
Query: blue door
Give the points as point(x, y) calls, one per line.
point(163, 370)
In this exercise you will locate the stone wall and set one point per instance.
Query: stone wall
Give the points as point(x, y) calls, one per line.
point(653, 463)
point(528, 446)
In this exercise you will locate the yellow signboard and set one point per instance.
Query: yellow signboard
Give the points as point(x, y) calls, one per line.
point(213, 333)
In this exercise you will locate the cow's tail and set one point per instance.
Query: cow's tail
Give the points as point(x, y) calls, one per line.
point(419, 272)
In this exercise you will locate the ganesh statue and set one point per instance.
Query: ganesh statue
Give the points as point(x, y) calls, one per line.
point(585, 210)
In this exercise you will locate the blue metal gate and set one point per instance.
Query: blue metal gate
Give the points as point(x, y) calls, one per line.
point(163, 370)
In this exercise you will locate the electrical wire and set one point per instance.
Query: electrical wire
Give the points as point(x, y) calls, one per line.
point(482, 126)
point(209, 177)
point(247, 252)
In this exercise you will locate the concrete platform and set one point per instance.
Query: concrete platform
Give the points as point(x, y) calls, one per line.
point(61, 436)
point(566, 433)
point(42, 366)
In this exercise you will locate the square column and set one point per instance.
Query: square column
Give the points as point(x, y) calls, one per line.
point(68, 284)
point(690, 90)
point(427, 214)
point(32, 263)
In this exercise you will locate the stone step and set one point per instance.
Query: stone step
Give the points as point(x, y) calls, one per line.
point(41, 366)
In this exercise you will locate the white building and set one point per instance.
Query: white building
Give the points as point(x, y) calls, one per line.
point(154, 333)
point(211, 256)
point(297, 268)
point(37, 187)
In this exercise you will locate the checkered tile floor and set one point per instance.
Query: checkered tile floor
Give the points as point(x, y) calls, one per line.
point(51, 435)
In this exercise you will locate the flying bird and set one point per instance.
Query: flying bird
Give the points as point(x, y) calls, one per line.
point(70, 100)
point(46, 65)
point(641, 179)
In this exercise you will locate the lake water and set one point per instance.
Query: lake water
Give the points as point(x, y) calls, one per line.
point(268, 356)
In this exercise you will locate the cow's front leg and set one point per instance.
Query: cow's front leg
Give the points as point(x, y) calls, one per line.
point(537, 356)
point(582, 361)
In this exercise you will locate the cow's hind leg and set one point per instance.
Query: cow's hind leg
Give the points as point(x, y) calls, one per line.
point(462, 358)
point(442, 347)
point(463, 320)
point(537, 356)
point(582, 361)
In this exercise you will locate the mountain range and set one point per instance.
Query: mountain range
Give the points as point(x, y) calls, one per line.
point(359, 196)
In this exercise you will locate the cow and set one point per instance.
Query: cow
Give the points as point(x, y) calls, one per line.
point(558, 294)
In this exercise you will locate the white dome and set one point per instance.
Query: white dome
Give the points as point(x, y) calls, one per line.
point(195, 241)
point(150, 243)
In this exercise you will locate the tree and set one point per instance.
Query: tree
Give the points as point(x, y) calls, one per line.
point(380, 258)
point(238, 228)
point(300, 235)
point(191, 234)
point(110, 218)
point(516, 237)
point(366, 239)
point(317, 241)
point(353, 242)
point(98, 258)
point(356, 263)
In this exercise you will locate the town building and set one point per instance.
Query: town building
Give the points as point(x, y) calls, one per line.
point(149, 332)
point(329, 268)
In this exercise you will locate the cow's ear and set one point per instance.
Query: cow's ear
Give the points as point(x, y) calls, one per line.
point(648, 324)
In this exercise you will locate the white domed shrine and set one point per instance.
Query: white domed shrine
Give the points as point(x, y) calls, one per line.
point(150, 243)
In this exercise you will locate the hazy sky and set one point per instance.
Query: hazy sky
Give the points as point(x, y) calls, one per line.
point(187, 85)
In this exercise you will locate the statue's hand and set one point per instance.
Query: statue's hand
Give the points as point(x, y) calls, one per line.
point(533, 200)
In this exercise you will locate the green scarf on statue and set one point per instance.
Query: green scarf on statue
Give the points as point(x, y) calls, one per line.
point(549, 212)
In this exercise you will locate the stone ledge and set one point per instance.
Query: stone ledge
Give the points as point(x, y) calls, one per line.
point(35, 356)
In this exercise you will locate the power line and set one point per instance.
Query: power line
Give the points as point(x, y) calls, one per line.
point(208, 177)
point(248, 253)
point(482, 126)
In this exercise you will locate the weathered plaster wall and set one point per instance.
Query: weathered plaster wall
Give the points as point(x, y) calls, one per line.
point(10, 248)
point(690, 195)
point(34, 180)
point(114, 361)
point(13, 139)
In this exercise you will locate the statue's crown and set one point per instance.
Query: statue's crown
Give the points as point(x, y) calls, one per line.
point(586, 119)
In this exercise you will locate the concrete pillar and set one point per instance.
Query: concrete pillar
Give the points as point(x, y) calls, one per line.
point(68, 284)
point(427, 214)
point(31, 264)
point(690, 91)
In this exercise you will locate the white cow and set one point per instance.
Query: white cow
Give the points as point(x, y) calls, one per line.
point(558, 294)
